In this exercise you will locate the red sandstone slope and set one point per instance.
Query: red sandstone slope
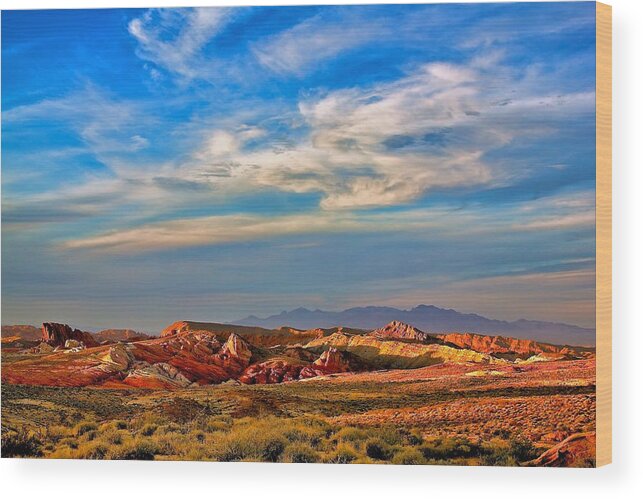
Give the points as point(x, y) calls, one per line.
point(503, 345)
point(24, 332)
point(116, 335)
point(173, 361)
point(159, 363)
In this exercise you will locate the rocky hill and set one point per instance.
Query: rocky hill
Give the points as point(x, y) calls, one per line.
point(191, 354)
point(57, 335)
point(503, 346)
point(25, 332)
point(116, 335)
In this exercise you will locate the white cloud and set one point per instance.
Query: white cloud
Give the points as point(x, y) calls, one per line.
point(173, 38)
point(546, 214)
point(299, 49)
point(227, 229)
point(391, 143)
point(105, 124)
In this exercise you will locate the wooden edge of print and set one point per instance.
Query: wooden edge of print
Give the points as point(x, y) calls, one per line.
point(603, 234)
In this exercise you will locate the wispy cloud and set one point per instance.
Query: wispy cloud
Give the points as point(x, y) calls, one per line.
point(173, 38)
point(301, 48)
point(215, 230)
point(104, 123)
point(548, 214)
point(391, 143)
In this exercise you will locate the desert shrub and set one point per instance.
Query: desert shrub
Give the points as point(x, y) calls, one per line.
point(85, 427)
point(414, 437)
point(351, 434)
point(148, 430)
point(299, 435)
point(300, 453)
point(70, 442)
point(217, 423)
point(449, 448)
point(57, 432)
point(273, 449)
point(120, 425)
point(378, 449)
point(522, 450)
point(166, 445)
point(391, 435)
point(138, 450)
point(173, 428)
point(21, 444)
point(229, 449)
point(343, 455)
point(113, 437)
point(408, 455)
point(63, 452)
point(92, 450)
point(89, 436)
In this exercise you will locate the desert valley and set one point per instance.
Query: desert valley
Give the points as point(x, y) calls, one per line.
point(210, 391)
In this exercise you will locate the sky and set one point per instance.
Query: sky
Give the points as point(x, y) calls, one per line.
point(211, 163)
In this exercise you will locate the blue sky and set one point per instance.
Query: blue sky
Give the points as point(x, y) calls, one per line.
point(212, 163)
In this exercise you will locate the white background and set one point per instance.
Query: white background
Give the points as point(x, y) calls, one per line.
point(623, 478)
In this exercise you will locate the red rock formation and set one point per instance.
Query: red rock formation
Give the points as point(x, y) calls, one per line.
point(237, 348)
point(272, 371)
point(57, 334)
point(116, 335)
point(504, 345)
point(401, 331)
point(333, 361)
point(283, 369)
point(176, 328)
point(576, 451)
point(24, 332)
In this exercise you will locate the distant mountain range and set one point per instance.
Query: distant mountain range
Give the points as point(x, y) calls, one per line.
point(430, 319)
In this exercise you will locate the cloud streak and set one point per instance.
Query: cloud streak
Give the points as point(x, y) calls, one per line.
point(173, 38)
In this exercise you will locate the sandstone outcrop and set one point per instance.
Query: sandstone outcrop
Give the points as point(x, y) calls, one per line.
point(57, 335)
point(576, 451)
point(157, 376)
point(500, 345)
point(119, 355)
point(237, 348)
point(401, 331)
point(272, 371)
point(398, 353)
point(116, 335)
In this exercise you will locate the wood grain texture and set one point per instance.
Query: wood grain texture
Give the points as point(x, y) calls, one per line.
point(603, 234)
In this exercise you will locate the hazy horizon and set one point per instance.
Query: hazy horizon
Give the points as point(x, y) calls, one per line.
point(214, 163)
